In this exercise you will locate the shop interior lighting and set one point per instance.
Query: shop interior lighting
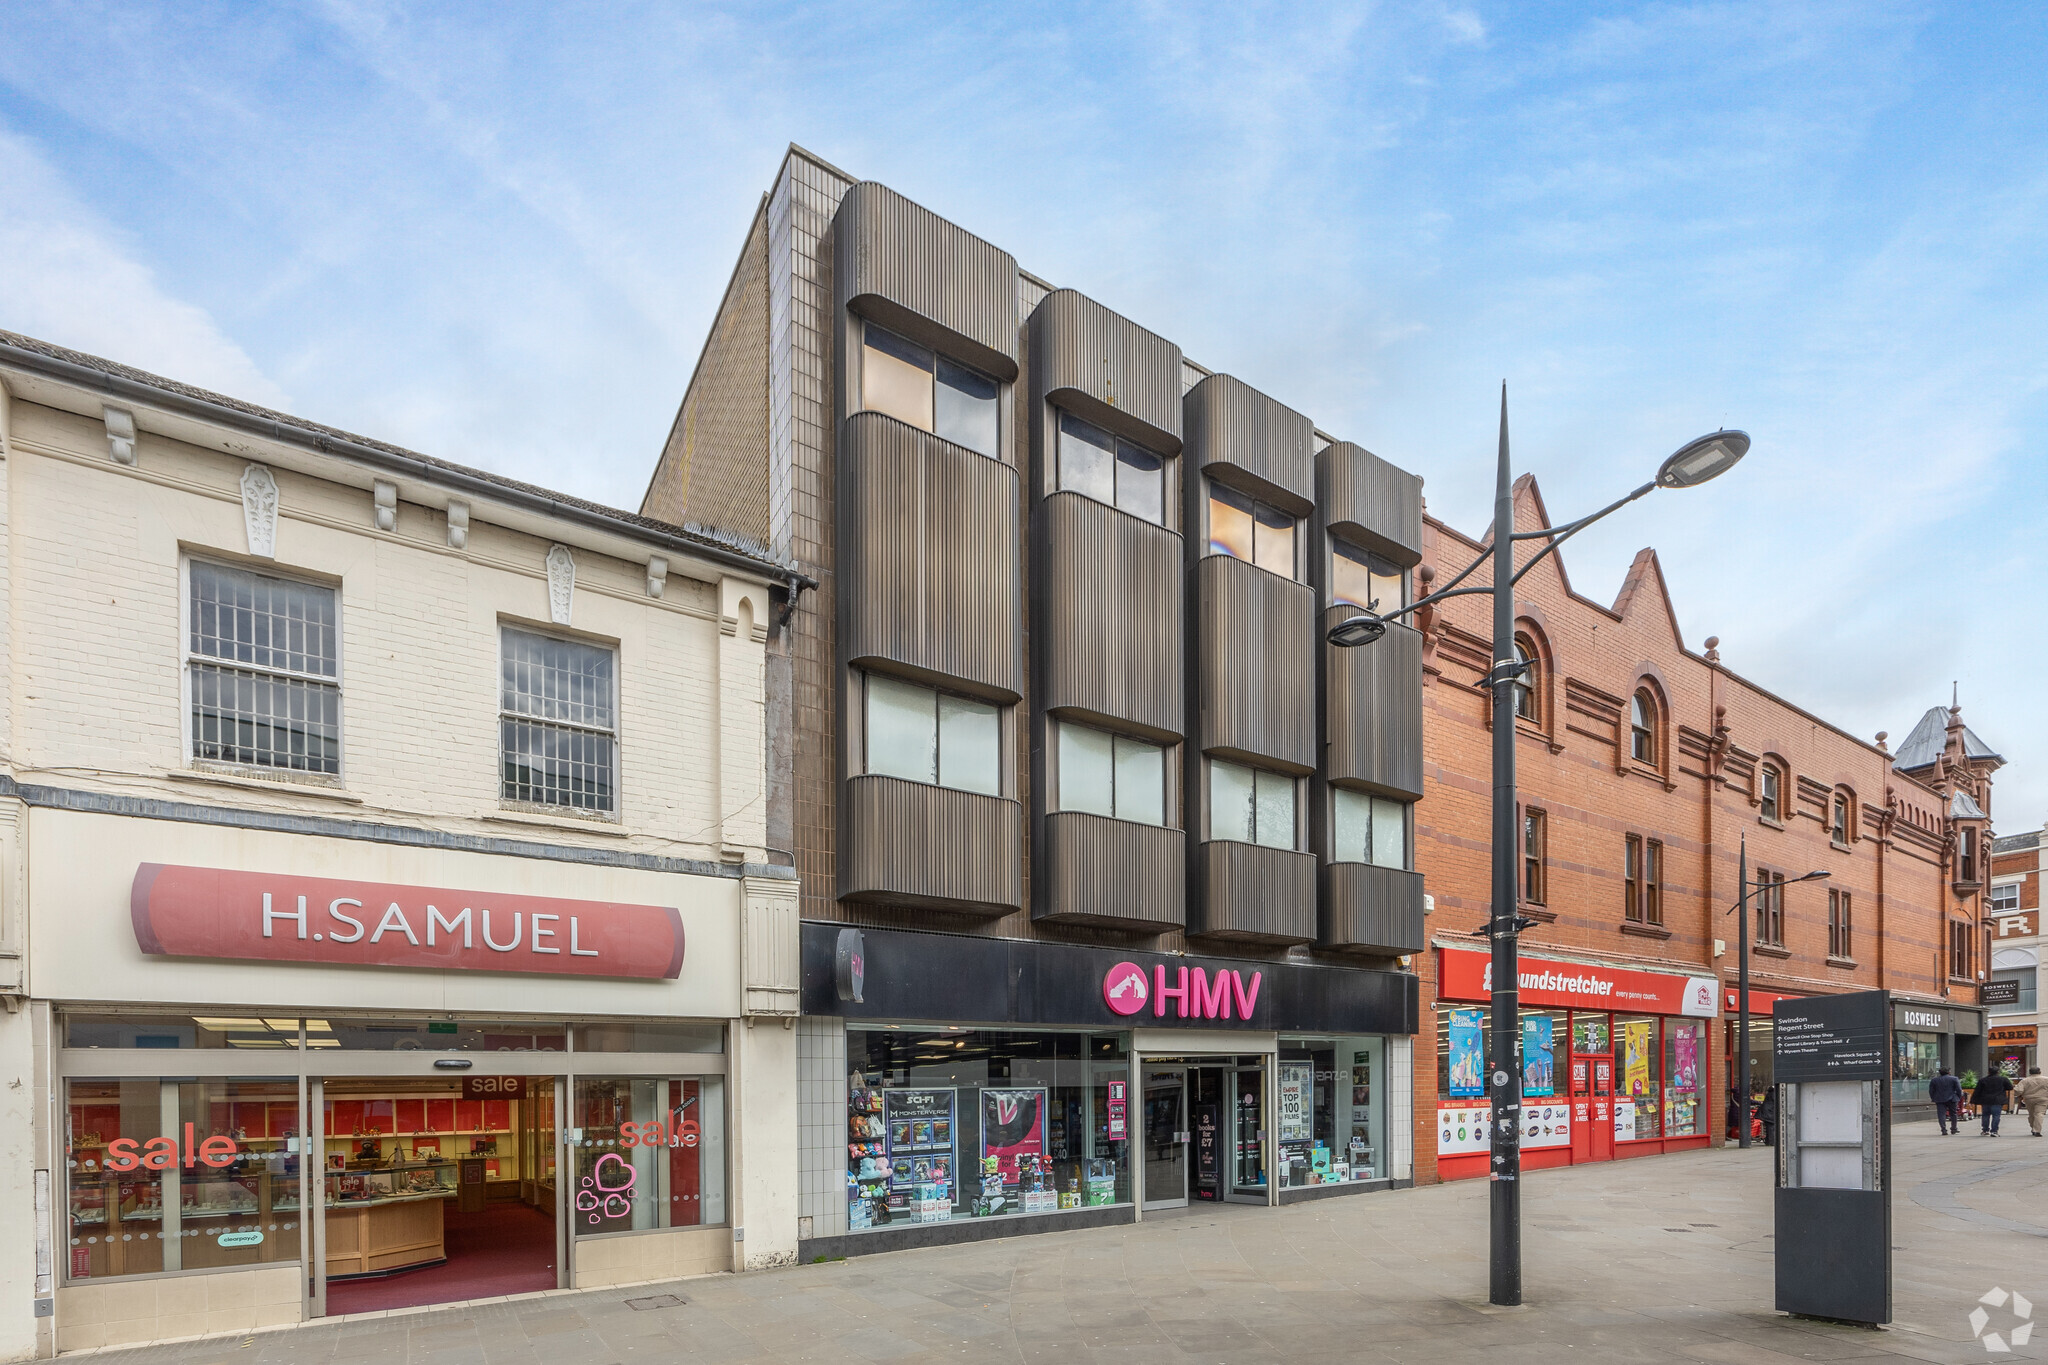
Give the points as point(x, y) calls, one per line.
point(283, 1025)
point(222, 1025)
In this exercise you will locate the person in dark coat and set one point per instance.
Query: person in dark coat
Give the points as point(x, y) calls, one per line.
point(1947, 1093)
point(1734, 1114)
point(1769, 1115)
point(1989, 1097)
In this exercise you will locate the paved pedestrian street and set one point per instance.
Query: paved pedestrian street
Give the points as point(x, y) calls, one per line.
point(1660, 1259)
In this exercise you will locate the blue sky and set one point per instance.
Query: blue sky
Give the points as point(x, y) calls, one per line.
point(497, 233)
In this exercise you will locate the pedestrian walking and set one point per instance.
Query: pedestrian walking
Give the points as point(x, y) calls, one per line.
point(1947, 1093)
point(1989, 1097)
point(1769, 1114)
point(2032, 1095)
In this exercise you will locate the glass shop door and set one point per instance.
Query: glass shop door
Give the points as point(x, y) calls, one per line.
point(1248, 1135)
point(1166, 1137)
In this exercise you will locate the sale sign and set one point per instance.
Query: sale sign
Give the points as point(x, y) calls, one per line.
point(278, 917)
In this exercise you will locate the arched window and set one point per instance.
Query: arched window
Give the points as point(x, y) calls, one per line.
point(1771, 797)
point(1642, 727)
point(1840, 813)
point(1525, 681)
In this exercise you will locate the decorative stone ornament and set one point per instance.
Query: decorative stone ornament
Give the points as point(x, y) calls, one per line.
point(458, 524)
point(385, 497)
point(561, 584)
point(120, 434)
point(657, 575)
point(259, 511)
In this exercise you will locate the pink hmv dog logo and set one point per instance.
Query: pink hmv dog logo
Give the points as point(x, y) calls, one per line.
point(1124, 989)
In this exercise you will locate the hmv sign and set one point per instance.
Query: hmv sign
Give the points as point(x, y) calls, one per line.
point(1189, 992)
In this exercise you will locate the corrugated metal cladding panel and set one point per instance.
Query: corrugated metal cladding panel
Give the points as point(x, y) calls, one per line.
point(931, 847)
point(1261, 445)
point(1109, 615)
point(1113, 872)
point(1107, 369)
point(1371, 909)
point(1375, 709)
point(1370, 502)
point(928, 557)
point(1254, 894)
point(908, 268)
point(1255, 653)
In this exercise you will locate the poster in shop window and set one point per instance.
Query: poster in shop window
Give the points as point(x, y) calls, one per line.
point(1467, 1053)
point(1539, 1074)
point(919, 1124)
point(1297, 1085)
point(1635, 1042)
point(1013, 1130)
point(1685, 1049)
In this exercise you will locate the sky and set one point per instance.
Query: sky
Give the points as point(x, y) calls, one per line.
point(497, 234)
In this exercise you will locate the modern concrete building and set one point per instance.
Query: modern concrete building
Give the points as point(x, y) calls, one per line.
point(1105, 856)
point(387, 913)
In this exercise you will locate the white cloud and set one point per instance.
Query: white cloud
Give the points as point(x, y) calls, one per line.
point(69, 279)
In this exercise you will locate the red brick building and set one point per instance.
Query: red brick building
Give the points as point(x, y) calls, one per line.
point(1644, 768)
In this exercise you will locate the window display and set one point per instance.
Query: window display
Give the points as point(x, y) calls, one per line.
point(648, 1152)
point(1915, 1059)
point(181, 1175)
point(1636, 1100)
point(1685, 1058)
point(1330, 1126)
point(977, 1123)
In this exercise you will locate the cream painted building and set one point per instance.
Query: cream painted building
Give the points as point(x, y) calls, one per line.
point(387, 913)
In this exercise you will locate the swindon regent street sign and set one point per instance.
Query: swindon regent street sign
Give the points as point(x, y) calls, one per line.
point(276, 917)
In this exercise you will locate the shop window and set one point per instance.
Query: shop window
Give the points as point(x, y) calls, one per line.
point(377, 1034)
point(1915, 1059)
point(1100, 466)
point(1642, 727)
point(1685, 1077)
point(263, 666)
point(1247, 529)
point(924, 389)
point(179, 1031)
point(1772, 784)
point(1840, 940)
point(1332, 1115)
point(1113, 775)
point(1361, 579)
point(558, 722)
point(979, 1123)
point(929, 736)
point(165, 1175)
point(1769, 895)
point(1533, 832)
point(1251, 805)
point(645, 1035)
point(1637, 1082)
point(1461, 1046)
point(647, 1153)
point(1368, 829)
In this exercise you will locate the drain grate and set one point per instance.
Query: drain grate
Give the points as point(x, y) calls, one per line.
point(653, 1301)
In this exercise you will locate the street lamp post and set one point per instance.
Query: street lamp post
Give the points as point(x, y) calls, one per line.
point(1692, 464)
point(1743, 931)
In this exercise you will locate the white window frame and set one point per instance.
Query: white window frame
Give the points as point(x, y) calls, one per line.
point(186, 658)
point(499, 715)
point(1991, 897)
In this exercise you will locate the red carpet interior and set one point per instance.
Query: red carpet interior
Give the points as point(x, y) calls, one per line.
point(506, 1249)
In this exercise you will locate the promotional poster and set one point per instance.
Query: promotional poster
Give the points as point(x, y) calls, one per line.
point(1539, 1073)
point(1635, 1042)
point(1468, 1052)
point(1012, 1129)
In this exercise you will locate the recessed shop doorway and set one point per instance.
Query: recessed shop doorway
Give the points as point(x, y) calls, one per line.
point(1205, 1131)
point(434, 1189)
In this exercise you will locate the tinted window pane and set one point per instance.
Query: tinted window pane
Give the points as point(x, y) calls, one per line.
point(896, 378)
point(1230, 802)
point(1275, 827)
point(1140, 782)
point(1230, 523)
point(1350, 578)
point(1087, 460)
point(1389, 833)
point(969, 745)
point(1351, 832)
point(1389, 584)
point(1140, 482)
point(642, 1035)
point(903, 738)
point(964, 408)
point(1087, 770)
point(1274, 540)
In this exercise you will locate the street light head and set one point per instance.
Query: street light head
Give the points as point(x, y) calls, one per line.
point(1353, 631)
point(1815, 877)
point(1706, 458)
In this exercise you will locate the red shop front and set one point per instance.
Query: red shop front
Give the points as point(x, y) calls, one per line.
point(1614, 1061)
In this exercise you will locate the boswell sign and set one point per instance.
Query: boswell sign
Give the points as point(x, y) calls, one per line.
point(278, 917)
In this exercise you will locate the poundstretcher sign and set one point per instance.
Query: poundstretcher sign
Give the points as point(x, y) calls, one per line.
point(276, 917)
point(1468, 975)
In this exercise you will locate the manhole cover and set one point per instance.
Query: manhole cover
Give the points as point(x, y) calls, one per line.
point(653, 1301)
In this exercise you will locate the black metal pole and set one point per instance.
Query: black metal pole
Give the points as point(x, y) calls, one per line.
point(1505, 1082)
point(1742, 992)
